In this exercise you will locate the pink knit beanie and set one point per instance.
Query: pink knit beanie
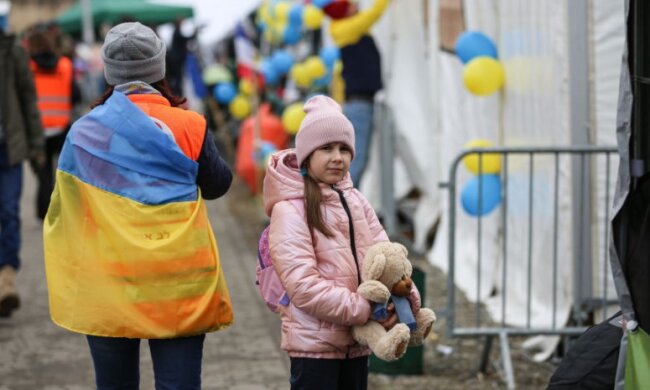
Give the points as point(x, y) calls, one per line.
point(323, 124)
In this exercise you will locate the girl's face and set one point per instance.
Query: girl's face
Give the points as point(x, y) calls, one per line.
point(330, 163)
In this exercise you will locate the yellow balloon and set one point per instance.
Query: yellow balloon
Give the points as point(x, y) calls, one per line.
point(483, 76)
point(300, 75)
point(264, 13)
point(338, 67)
point(292, 118)
point(246, 87)
point(312, 16)
point(316, 67)
point(490, 162)
point(273, 33)
point(281, 11)
point(240, 107)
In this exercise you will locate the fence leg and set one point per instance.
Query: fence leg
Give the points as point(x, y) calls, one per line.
point(485, 355)
point(507, 360)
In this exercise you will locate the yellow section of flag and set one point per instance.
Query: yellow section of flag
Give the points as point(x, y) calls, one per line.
point(119, 268)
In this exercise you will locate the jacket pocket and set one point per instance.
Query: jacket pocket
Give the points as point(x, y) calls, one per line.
point(304, 320)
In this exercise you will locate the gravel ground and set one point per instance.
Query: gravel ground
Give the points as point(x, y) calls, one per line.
point(457, 370)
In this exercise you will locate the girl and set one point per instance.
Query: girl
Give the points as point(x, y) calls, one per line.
point(129, 251)
point(321, 228)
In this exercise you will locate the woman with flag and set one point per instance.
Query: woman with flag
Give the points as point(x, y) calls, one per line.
point(129, 251)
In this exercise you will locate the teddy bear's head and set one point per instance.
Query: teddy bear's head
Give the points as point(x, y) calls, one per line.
point(387, 263)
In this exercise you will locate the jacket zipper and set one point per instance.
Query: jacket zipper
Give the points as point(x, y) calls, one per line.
point(353, 246)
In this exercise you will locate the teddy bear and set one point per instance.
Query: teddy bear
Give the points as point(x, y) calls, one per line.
point(386, 274)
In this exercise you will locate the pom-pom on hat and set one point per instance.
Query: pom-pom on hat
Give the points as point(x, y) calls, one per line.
point(337, 9)
point(131, 52)
point(324, 123)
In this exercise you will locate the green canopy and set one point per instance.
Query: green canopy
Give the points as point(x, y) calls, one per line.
point(116, 11)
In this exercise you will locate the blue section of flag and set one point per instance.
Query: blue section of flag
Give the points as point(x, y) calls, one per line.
point(118, 148)
point(194, 70)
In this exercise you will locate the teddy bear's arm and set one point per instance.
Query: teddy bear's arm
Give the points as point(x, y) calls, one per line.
point(415, 299)
point(374, 291)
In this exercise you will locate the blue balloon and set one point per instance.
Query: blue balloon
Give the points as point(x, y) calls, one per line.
point(472, 44)
point(321, 3)
point(282, 61)
point(292, 34)
point(225, 92)
point(263, 151)
point(323, 81)
point(329, 55)
point(271, 75)
point(490, 195)
point(295, 15)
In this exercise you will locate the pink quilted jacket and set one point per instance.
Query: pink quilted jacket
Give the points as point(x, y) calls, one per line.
point(320, 274)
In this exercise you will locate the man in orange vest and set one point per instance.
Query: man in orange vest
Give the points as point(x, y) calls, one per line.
point(57, 93)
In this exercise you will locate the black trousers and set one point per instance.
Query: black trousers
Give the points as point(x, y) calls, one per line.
point(329, 374)
point(53, 146)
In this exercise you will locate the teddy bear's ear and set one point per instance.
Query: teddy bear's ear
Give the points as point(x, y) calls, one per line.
point(403, 248)
point(376, 267)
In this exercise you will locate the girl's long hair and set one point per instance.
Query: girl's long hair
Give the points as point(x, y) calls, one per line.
point(161, 86)
point(313, 197)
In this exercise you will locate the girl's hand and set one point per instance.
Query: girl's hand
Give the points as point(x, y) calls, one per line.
point(391, 318)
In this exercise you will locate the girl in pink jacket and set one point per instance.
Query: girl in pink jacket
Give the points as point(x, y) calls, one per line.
point(321, 228)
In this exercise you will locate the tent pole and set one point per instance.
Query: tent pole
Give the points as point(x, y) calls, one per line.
point(640, 88)
point(580, 119)
point(88, 28)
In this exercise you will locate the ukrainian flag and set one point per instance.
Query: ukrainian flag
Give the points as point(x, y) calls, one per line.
point(129, 251)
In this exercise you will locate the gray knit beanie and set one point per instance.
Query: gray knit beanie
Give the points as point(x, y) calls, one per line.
point(131, 52)
point(324, 123)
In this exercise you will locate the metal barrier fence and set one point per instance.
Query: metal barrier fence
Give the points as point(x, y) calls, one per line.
point(583, 164)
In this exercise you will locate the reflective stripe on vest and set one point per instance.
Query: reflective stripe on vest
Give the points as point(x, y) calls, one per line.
point(54, 92)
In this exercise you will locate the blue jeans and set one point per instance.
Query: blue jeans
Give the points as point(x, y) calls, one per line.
point(329, 374)
point(11, 185)
point(176, 362)
point(360, 113)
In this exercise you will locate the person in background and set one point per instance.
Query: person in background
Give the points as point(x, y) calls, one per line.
point(320, 230)
point(176, 56)
point(57, 94)
point(21, 138)
point(129, 250)
point(361, 71)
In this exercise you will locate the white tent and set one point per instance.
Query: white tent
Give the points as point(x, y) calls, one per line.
point(218, 16)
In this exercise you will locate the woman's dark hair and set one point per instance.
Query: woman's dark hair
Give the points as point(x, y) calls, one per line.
point(40, 42)
point(161, 86)
point(313, 197)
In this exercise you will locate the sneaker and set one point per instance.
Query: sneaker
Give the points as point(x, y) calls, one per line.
point(9, 300)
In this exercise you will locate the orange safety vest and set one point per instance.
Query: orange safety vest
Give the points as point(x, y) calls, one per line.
point(54, 91)
point(187, 126)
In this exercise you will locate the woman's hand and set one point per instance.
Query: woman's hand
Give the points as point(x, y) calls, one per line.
point(391, 318)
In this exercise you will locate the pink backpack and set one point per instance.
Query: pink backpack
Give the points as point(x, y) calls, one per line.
point(267, 280)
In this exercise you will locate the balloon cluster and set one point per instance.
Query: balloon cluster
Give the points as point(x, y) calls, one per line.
point(483, 73)
point(482, 193)
point(283, 22)
point(316, 71)
point(237, 99)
